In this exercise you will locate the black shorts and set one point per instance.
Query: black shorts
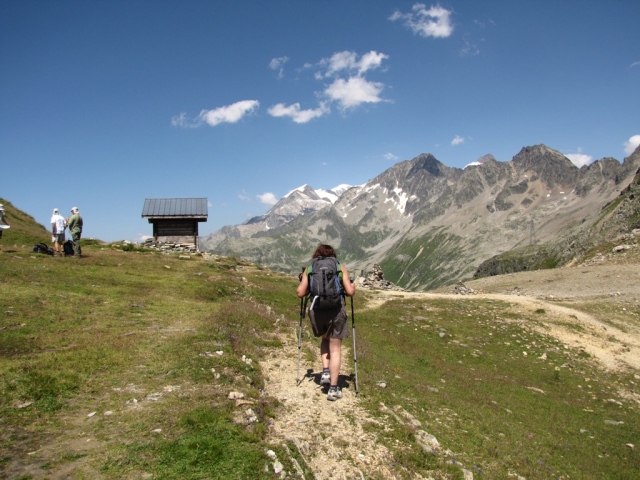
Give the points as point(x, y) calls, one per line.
point(329, 323)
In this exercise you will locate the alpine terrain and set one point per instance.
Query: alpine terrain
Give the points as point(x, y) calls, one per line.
point(428, 225)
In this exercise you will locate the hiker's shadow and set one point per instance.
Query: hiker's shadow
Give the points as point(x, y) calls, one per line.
point(343, 380)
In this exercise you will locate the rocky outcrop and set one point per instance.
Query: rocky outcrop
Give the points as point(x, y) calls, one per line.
point(170, 247)
point(375, 280)
point(461, 289)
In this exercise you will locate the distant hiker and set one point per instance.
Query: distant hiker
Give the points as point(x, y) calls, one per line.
point(326, 282)
point(3, 220)
point(75, 229)
point(58, 224)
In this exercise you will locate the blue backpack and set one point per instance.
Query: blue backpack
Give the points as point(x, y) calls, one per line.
point(325, 283)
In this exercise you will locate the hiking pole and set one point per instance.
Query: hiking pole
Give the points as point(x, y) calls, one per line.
point(302, 306)
point(355, 353)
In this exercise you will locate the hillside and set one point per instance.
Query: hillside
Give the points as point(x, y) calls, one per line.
point(129, 363)
point(429, 225)
point(24, 229)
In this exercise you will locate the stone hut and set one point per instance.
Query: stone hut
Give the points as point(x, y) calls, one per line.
point(175, 220)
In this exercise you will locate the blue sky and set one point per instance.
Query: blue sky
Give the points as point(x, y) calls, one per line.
point(106, 103)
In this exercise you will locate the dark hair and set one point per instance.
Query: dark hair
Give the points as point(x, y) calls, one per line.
point(324, 251)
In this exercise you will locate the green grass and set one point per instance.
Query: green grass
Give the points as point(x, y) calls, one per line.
point(132, 336)
point(24, 230)
point(112, 359)
point(496, 409)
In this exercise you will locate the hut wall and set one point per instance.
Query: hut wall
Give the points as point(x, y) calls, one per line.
point(176, 231)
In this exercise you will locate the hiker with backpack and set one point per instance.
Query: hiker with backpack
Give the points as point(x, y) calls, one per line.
point(58, 225)
point(326, 281)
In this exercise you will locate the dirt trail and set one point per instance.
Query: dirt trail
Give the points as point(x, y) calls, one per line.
point(609, 345)
point(330, 435)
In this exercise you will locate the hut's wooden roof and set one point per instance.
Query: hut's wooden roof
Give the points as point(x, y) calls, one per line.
point(175, 207)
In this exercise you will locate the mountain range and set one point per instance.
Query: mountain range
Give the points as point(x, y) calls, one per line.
point(428, 225)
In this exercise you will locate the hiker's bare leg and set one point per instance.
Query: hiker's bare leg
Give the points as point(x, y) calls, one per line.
point(335, 345)
point(324, 352)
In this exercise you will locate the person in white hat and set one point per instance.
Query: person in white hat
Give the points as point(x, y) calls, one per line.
point(58, 224)
point(3, 220)
point(75, 229)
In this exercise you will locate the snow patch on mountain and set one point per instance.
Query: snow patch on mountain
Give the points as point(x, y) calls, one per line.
point(399, 200)
point(320, 193)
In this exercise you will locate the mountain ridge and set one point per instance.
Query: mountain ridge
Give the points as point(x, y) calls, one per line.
point(299, 201)
point(428, 224)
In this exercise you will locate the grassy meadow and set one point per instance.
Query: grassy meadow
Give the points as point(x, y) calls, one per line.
point(122, 364)
point(502, 398)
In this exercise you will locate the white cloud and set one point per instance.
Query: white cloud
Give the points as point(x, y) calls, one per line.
point(278, 64)
point(370, 61)
point(349, 87)
point(457, 140)
point(634, 64)
point(230, 113)
point(348, 61)
point(433, 22)
point(632, 144)
point(209, 204)
point(243, 196)
point(293, 111)
point(183, 122)
point(268, 198)
point(391, 156)
point(579, 159)
point(354, 91)
point(340, 61)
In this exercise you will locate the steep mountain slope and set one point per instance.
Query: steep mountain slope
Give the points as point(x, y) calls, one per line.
point(427, 224)
point(617, 221)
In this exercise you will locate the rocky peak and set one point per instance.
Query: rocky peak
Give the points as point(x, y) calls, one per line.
point(427, 163)
point(551, 166)
point(486, 158)
point(302, 191)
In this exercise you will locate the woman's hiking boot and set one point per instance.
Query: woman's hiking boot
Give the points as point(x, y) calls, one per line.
point(334, 394)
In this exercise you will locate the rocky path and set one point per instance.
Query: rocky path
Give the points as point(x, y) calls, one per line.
point(328, 435)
